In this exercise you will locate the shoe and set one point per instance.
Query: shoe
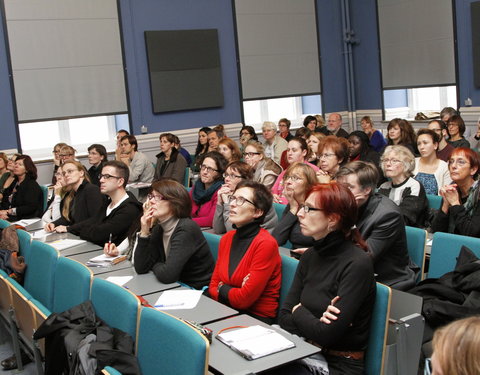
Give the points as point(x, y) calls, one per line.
point(10, 363)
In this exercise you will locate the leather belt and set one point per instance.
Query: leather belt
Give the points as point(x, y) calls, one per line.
point(353, 355)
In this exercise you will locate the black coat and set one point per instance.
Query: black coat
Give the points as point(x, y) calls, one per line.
point(27, 200)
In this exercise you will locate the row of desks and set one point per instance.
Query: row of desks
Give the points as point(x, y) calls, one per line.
point(211, 313)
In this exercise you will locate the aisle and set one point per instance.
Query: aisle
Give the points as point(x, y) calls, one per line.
point(6, 350)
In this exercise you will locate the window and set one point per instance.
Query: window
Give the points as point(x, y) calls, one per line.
point(38, 138)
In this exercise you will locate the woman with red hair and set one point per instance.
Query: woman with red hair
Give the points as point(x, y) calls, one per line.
point(332, 295)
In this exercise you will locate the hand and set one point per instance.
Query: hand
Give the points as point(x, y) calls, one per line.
point(61, 229)
point(331, 312)
point(223, 193)
point(450, 196)
point(49, 227)
point(296, 307)
point(220, 284)
point(277, 198)
point(245, 279)
point(300, 250)
point(147, 220)
point(110, 249)
point(4, 214)
point(323, 177)
point(56, 188)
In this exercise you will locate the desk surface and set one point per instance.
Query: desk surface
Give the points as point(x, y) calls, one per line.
point(140, 284)
point(226, 361)
point(85, 247)
point(207, 309)
point(85, 257)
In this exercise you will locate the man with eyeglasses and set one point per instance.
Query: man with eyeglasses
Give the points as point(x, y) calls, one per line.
point(117, 214)
point(444, 148)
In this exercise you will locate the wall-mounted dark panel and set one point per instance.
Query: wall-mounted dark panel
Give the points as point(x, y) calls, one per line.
point(475, 12)
point(185, 71)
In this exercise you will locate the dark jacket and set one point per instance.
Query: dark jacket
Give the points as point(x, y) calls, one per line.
point(93, 172)
point(87, 203)
point(381, 225)
point(27, 200)
point(174, 167)
point(98, 229)
point(288, 229)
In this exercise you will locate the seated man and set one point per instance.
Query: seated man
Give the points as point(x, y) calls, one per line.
point(381, 224)
point(141, 169)
point(118, 213)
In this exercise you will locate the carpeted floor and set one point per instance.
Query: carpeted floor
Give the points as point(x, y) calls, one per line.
point(6, 350)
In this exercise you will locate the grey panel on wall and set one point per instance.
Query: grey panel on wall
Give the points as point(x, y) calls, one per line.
point(185, 70)
point(416, 43)
point(475, 15)
point(66, 58)
point(278, 47)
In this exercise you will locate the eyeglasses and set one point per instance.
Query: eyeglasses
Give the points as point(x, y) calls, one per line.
point(293, 178)
point(156, 198)
point(325, 156)
point(69, 171)
point(459, 162)
point(204, 167)
point(225, 175)
point(307, 209)
point(428, 367)
point(250, 154)
point(240, 200)
point(391, 161)
point(107, 176)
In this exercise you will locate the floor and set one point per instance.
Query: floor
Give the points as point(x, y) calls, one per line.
point(6, 350)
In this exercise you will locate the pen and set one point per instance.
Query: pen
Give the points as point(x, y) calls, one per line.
point(170, 305)
point(109, 241)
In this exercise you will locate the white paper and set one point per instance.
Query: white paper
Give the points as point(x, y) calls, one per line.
point(26, 222)
point(104, 258)
point(119, 280)
point(39, 234)
point(65, 243)
point(429, 242)
point(178, 299)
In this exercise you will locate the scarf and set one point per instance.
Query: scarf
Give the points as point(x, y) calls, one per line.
point(201, 195)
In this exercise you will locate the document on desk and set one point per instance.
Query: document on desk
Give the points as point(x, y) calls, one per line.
point(26, 222)
point(65, 243)
point(178, 299)
point(119, 280)
point(105, 260)
point(255, 341)
point(39, 234)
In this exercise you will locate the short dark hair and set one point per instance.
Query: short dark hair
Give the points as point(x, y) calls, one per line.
point(303, 132)
point(30, 168)
point(287, 122)
point(218, 158)
point(458, 120)
point(121, 169)
point(220, 132)
point(367, 174)
point(309, 118)
point(250, 131)
point(245, 170)
point(435, 137)
point(262, 197)
point(176, 195)
point(100, 149)
point(131, 139)
point(123, 131)
point(168, 136)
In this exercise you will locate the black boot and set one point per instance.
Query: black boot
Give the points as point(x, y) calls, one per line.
point(10, 363)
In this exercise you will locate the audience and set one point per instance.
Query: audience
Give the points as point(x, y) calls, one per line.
point(446, 113)
point(236, 172)
point(274, 145)
point(169, 243)
point(170, 162)
point(214, 136)
point(335, 272)
point(66, 153)
point(377, 140)
point(23, 199)
point(429, 170)
point(456, 128)
point(265, 170)
point(229, 149)
point(53, 211)
point(182, 151)
point(360, 149)
point(400, 132)
point(3, 163)
point(97, 156)
point(444, 148)
point(205, 190)
point(310, 122)
point(56, 159)
point(313, 141)
point(332, 154)
point(334, 125)
point(247, 274)
point(118, 150)
point(141, 169)
point(8, 177)
point(202, 145)
point(284, 129)
point(460, 211)
point(247, 133)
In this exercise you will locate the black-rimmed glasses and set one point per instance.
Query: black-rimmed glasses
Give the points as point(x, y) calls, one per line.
point(240, 200)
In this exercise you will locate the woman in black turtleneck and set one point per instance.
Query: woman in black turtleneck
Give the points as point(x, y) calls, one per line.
point(247, 275)
point(336, 271)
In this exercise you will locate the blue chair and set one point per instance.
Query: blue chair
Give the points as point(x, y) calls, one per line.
point(161, 337)
point(279, 208)
point(445, 250)
point(213, 242)
point(377, 338)
point(186, 177)
point(416, 241)
point(434, 201)
point(289, 267)
point(116, 306)
point(4, 223)
point(44, 189)
point(24, 243)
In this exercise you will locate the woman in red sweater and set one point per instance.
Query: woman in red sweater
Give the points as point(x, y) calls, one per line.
point(247, 275)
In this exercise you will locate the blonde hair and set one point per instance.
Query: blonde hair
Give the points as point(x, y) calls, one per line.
point(258, 146)
point(457, 345)
point(404, 154)
point(269, 125)
point(68, 198)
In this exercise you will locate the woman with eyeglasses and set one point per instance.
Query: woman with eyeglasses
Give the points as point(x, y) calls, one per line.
point(56, 159)
point(297, 152)
point(236, 172)
point(332, 154)
point(460, 211)
point(335, 273)
point(23, 199)
point(397, 164)
point(247, 274)
point(83, 201)
point(170, 243)
point(456, 128)
point(299, 180)
point(8, 176)
point(59, 190)
point(265, 170)
point(204, 193)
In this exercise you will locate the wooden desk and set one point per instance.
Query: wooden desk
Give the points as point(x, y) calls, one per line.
point(85, 257)
point(224, 360)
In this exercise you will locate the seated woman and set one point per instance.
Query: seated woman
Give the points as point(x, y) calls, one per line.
point(169, 243)
point(66, 153)
point(460, 211)
point(204, 193)
point(398, 164)
point(313, 141)
point(170, 163)
point(297, 152)
point(247, 133)
point(53, 211)
point(265, 170)
point(56, 159)
point(456, 128)
point(8, 177)
point(3, 163)
point(83, 201)
point(332, 154)
point(359, 148)
point(247, 274)
point(429, 170)
point(202, 147)
point(229, 149)
point(299, 179)
point(97, 156)
point(24, 198)
point(337, 271)
point(377, 140)
point(400, 132)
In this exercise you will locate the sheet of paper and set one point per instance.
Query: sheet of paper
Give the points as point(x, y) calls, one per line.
point(178, 299)
point(104, 258)
point(26, 222)
point(429, 242)
point(65, 243)
point(39, 233)
point(119, 280)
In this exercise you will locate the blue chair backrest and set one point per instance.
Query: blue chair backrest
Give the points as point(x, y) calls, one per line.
point(279, 208)
point(377, 338)
point(45, 196)
point(40, 273)
point(4, 223)
point(289, 267)
point(25, 244)
point(434, 201)
point(116, 306)
point(167, 345)
point(445, 249)
point(416, 241)
point(213, 242)
point(186, 177)
point(72, 284)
